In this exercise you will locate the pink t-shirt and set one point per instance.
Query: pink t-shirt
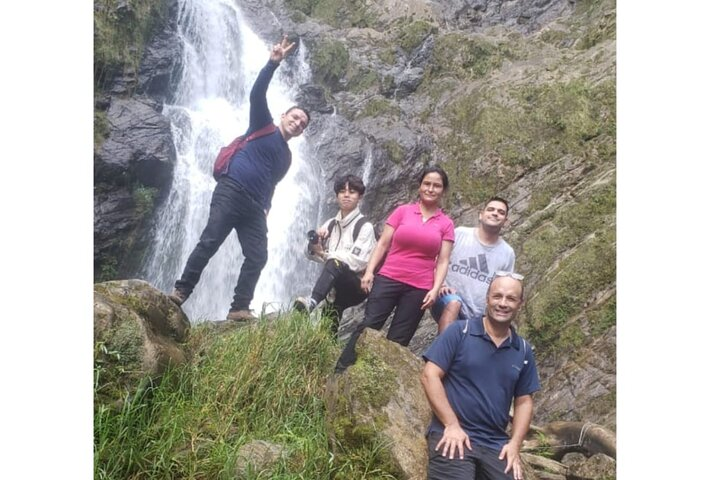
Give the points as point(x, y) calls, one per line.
point(415, 245)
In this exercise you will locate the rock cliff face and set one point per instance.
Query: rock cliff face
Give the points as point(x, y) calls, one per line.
point(514, 98)
point(134, 152)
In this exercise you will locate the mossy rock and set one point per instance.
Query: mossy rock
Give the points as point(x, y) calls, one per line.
point(379, 405)
point(138, 335)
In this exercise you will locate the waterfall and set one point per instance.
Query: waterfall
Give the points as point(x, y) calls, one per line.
point(222, 57)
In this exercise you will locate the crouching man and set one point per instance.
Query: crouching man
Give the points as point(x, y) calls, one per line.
point(473, 371)
point(344, 244)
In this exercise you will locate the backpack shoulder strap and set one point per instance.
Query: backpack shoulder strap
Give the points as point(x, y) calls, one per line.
point(358, 226)
point(266, 130)
point(332, 224)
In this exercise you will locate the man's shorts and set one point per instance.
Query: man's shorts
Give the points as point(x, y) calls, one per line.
point(441, 303)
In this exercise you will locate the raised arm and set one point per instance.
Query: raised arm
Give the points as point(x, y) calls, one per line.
point(454, 437)
point(259, 111)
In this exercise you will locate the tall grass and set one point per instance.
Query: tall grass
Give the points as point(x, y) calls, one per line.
point(263, 382)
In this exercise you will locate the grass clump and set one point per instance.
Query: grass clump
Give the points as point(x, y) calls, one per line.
point(330, 61)
point(263, 382)
point(466, 57)
point(360, 80)
point(412, 35)
point(144, 198)
point(107, 269)
point(120, 34)
point(395, 151)
point(338, 13)
point(379, 106)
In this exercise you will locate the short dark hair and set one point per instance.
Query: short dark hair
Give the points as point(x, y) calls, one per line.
point(353, 181)
point(298, 107)
point(435, 169)
point(498, 199)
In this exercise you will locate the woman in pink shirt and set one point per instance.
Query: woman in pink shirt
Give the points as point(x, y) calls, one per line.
point(418, 238)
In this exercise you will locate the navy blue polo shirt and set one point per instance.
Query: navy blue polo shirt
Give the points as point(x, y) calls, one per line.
point(481, 379)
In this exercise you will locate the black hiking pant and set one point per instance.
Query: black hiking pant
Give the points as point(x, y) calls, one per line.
point(386, 295)
point(348, 293)
point(231, 207)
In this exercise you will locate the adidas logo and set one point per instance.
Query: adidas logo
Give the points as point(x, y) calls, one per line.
point(473, 267)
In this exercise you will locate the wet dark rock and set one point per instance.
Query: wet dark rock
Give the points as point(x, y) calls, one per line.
point(139, 147)
point(314, 98)
point(160, 68)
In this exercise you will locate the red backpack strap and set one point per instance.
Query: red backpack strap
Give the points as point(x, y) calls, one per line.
point(266, 130)
point(222, 162)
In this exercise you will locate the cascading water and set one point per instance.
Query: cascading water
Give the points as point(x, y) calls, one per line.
point(222, 58)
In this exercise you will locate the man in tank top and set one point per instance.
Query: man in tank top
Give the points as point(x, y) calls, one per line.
point(478, 253)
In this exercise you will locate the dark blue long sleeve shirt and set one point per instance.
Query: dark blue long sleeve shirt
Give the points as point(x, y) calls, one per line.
point(264, 161)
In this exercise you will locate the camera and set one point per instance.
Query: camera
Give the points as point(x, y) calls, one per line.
point(313, 237)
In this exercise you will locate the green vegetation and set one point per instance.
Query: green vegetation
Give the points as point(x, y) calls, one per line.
point(121, 32)
point(599, 31)
point(395, 151)
point(144, 198)
point(412, 35)
point(361, 80)
point(387, 55)
point(330, 61)
point(338, 13)
point(527, 127)
point(379, 106)
point(576, 220)
point(549, 314)
point(603, 317)
point(593, 22)
point(555, 37)
point(100, 128)
point(568, 254)
point(264, 382)
point(108, 269)
point(467, 57)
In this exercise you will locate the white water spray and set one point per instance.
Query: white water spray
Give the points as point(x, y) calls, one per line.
point(221, 60)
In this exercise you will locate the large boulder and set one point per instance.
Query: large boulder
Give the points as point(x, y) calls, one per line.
point(138, 335)
point(380, 401)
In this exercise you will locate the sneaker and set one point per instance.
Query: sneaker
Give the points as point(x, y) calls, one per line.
point(241, 315)
point(178, 297)
point(305, 305)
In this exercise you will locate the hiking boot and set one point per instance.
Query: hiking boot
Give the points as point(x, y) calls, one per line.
point(304, 305)
point(241, 316)
point(178, 297)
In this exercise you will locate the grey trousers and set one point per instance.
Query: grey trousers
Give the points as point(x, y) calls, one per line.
point(480, 463)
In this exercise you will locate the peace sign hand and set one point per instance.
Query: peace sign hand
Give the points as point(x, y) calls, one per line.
point(280, 50)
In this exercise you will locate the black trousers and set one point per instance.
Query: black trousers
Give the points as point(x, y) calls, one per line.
point(231, 207)
point(347, 289)
point(387, 295)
